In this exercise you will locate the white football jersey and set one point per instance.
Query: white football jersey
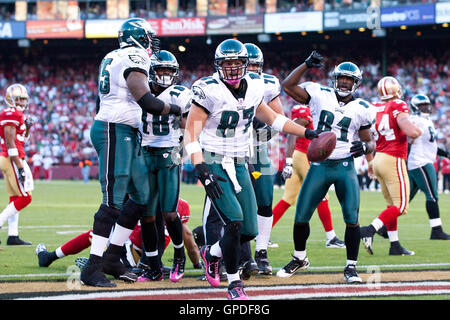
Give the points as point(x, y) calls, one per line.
point(117, 104)
point(227, 128)
point(424, 148)
point(164, 131)
point(344, 120)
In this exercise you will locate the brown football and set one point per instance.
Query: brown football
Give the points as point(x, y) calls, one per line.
point(321, 147)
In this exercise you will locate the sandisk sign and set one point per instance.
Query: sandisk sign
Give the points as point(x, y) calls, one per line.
point(180, 26)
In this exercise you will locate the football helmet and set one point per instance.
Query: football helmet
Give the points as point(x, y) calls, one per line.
point(231, 49)
point(164, 59)
point(255, 56)
point(138, 32)
point(421, 104)
point(389, 88)
point(347, 69)
point(17, 96)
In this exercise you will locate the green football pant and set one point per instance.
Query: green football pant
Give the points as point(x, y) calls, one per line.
point(264, 184)
point(121, 166)
point(424, 179)
point(340, 173)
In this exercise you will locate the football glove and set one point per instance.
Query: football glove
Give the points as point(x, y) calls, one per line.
point(21, 176)
point(28, 123)
point(287, 170)
point(358, 148)
point(209, 180)
point(311, 134)
point(315, 60)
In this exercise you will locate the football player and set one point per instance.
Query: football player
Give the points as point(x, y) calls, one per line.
point(392, 128)
point(16, 172)
point(217, 140)
point(422, 154)
point(160, 143)
point(294, 172)
point(123, 95)
point(333, 109)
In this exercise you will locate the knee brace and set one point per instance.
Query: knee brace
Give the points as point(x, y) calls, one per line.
point(130, 214)
point(265, 211)
point(104, 220)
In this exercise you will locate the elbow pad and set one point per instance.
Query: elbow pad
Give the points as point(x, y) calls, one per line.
point(150, 104)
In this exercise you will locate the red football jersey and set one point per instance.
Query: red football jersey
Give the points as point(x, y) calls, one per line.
point(389, 137)
point(15, 118)
point(183, 212)
point(302, 112)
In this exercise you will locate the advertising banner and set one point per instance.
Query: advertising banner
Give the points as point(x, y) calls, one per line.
point(235, 24)
point(55, 29)
point(181, 26)
point(407, 15)
point(103, 28)
point(345, 19)
point(12, 30)
point(293, 22)
point(442, 12)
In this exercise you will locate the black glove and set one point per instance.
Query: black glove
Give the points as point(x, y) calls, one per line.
point(209, 180)
point(315, 60)
point(311, 134)
point(358, 148)
point(21, 176)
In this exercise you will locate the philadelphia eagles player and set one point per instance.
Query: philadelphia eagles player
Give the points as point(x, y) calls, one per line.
point(217, 140)
point(161, 141)
point(422, 154)
point(123, 94)
point(333, 109)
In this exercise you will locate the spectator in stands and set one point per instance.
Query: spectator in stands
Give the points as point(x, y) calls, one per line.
point(85, 164)
point(36, 160)
point(47, 165)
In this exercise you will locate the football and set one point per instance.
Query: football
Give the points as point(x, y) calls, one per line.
point(321, 147)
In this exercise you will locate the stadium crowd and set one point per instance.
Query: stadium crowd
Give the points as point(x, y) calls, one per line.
point(63, 95)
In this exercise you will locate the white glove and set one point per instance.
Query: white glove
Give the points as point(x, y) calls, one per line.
point(287, 170)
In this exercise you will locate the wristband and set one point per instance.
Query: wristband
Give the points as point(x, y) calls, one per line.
point(370, 162)
point(193, 147)
point(279, 122)
point(13, 152)
point(289, 161)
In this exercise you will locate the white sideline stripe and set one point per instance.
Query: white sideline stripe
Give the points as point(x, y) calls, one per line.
point(370, 292)
point(56, 227)
point(360, 268)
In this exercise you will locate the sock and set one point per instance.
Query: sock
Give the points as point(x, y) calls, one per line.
point(246, 253)
point(150, 237)
point(279, 210)
point(435, 222)
point(216, 250)
point(9, 211)
point(301, 234)
point(352, 242)
point(77, 244)
point(330, 234)
point(376, 225)
point(325, 215)
point(264, 229)
point(175, 230)
point(389, 214)
point(233, 277)
point(120, 235)
point(393, 236)
point(351, 262)
point(301, 255)
point(432, 209)
point(98, 245)
point(153, 259)
point(13, 225)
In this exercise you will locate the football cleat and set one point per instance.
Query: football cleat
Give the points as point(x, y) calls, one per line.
point(211, 266)
point(16, 241)
point(368, 241)
point(350, 274)
point(397, 250)
point(92, 275)
point(294, 265)
point(150, 275)
point(438, 234)
point(177, 271)
point(113, 266)
point(262, 261)
point(44, 257)
point(335, 243)
point(236, 291)
point(247, 269)
point(383, 232)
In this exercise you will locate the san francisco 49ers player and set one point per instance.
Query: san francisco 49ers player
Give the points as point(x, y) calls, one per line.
point(18, 178)
point(294, 172)
point(392, 129)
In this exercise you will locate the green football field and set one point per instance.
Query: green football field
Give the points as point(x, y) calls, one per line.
point(61, 210)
